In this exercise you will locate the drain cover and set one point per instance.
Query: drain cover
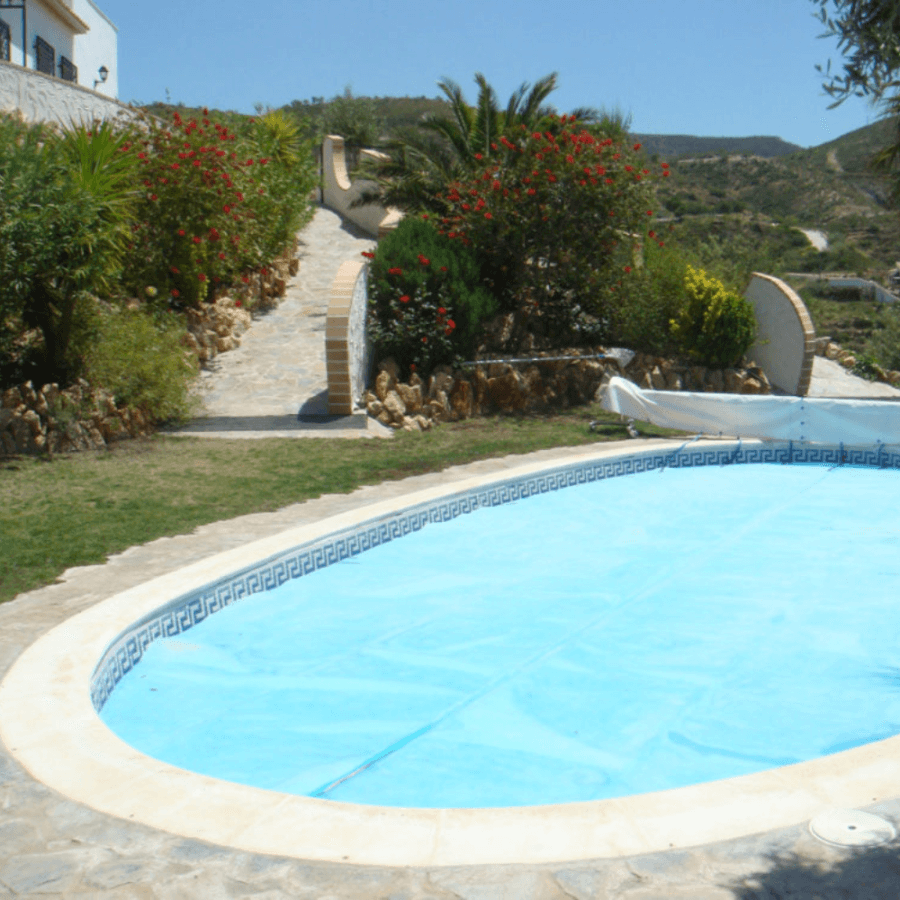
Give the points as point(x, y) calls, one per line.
point(851, 828)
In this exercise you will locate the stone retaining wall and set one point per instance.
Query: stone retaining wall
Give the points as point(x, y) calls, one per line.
point(48, 420)
point(830, 350)
point(535, 387)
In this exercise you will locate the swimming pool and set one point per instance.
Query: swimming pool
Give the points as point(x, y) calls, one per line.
point(126, 782)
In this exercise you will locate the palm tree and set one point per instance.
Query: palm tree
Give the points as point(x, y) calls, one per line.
point(421, 162)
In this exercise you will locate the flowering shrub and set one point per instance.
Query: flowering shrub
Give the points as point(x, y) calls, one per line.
point(425, 299)
point(716, 326)
point(213, 207)
point(558, 219)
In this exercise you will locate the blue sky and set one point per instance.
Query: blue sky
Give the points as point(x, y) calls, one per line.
point(705, 67)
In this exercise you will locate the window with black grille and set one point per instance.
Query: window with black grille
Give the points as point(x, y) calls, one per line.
point(44, 57)
point(4, 41)
point(68, 71)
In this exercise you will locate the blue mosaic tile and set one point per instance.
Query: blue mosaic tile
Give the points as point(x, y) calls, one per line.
point(183, 613)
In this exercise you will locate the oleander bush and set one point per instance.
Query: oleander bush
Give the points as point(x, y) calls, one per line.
point(559, 220)
point(65, 201)
point(218, 200)
point(716, 326)
point(425, 297)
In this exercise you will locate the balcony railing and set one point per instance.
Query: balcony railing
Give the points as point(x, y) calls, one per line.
point(68, 71)
point(44, 57)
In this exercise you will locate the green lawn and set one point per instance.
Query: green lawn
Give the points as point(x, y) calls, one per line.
point(76, 510)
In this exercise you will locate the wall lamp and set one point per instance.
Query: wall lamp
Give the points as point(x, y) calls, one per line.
point(104, 74)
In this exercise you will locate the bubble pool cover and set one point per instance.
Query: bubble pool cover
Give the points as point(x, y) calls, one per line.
point(635, 634)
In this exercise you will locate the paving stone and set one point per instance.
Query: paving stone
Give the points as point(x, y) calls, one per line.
point(122, 872)
point(503, 883)
point(41, 872)
point(607, 879)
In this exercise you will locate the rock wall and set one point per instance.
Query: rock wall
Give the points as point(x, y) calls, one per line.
point(830, 350)
point(48, 420)
point(217, 327)
point(535, 387)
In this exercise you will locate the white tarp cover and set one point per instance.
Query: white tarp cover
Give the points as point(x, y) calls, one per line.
point(818, 419)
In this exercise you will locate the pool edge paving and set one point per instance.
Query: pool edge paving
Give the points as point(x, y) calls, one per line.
point(79, 849)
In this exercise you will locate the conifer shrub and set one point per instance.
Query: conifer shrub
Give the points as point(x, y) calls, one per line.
point(716, 326)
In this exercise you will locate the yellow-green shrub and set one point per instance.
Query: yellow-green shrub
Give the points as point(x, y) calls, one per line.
point(716, 326)
point(143, 363)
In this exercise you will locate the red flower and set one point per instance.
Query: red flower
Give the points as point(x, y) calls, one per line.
point(451, 324)
point(477, 156)
point(237, 303)
point(196, 239)
point(649, 212)
point(637, 147)
point(404, 298)
point(245, 279)
point(201, 277)
point(395, 271)
point(424, 340)
point(154, 197)
point(412, 367)
point(443, 268)
point(174, 270)
point(488, 216)
point(627, 268)
point(175, 292)
point(181, 232)
point(368, 255)
point(425, 216)
point(221, 256)
point(226, 208)
point(424, 260)
point(442, 311)
point(651, 233)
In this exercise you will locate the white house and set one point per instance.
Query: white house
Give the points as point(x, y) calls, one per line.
point(58, 60)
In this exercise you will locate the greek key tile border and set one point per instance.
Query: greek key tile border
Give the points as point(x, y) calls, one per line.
point(184, 612)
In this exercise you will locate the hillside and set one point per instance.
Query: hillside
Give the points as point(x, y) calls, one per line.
point(672, 146)
point(831, 188)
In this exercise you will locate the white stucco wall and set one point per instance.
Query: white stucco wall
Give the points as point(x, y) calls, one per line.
point(338, 193)
point(99, 47)
point(41, 98)
point(786, 339)
point(42, 23)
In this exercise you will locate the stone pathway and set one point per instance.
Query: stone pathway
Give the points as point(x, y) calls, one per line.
point(278, 372)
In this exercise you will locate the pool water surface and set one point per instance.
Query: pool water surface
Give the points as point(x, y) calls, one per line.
point(629, 635)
